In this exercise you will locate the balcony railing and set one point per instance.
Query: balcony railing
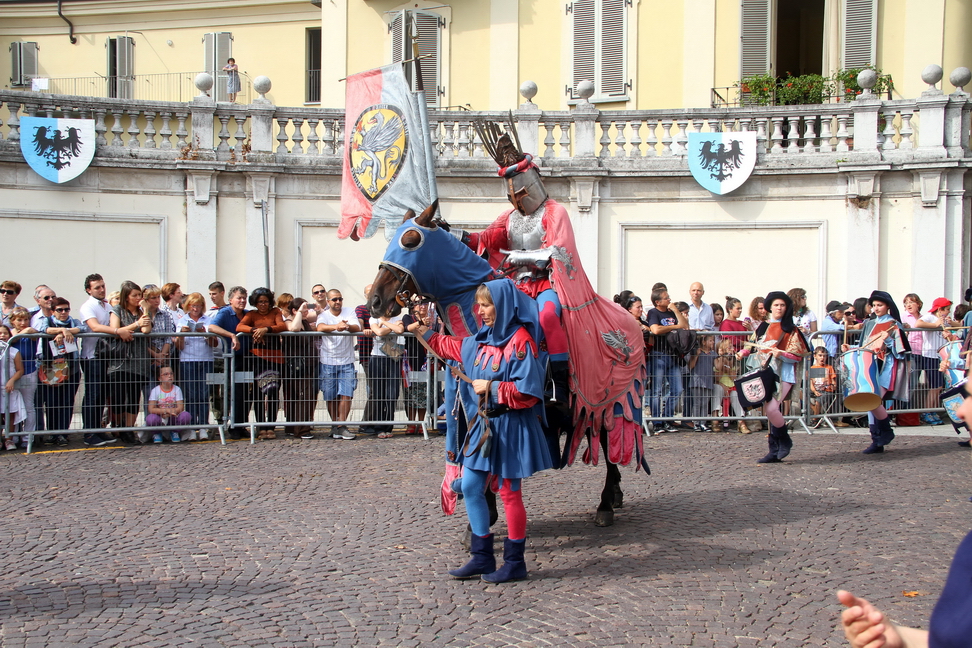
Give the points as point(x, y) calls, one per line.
point(169, 86)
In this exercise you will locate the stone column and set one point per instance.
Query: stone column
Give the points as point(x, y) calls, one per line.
point(259, 254)
point(203, 109)
point(956, 235)
point(201, 209)
point(261, 118)
point(584, 219)
point(862, 244)
point(931, 110)
point(585, 122)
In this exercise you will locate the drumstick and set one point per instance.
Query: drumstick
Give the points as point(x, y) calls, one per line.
point(756, 345)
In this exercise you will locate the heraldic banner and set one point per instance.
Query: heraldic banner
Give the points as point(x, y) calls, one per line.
point(388, 163)
point(57, 149)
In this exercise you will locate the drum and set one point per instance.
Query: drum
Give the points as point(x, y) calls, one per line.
point(951, 400)
point(859, 372)
point(756, 387)
point(951, 354)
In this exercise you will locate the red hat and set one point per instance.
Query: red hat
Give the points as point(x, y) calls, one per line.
point(940, 302)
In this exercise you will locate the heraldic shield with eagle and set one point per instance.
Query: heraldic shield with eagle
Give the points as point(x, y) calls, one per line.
point(722, 162)
point(57, 149)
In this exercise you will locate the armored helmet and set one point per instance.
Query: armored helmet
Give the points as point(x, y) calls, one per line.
point(524, 186)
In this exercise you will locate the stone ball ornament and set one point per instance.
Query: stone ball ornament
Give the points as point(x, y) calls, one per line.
point(932, 74)
point(204, 82)
point(528, 90)
point(960, 77)
point(262, 85)
point(585, 89)
point(867, 79)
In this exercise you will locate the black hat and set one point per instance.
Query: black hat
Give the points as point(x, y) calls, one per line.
point(786, 322)
point(885, 298)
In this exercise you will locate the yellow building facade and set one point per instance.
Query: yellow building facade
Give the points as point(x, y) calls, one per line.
point(641, 54)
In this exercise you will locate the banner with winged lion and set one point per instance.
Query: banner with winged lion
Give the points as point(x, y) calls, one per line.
point(388, 164)
point(722, 162)
point(57, 149)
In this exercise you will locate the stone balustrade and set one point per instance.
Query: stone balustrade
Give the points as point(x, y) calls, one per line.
point(868, 128)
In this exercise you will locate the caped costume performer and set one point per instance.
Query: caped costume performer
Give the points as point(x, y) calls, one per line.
point(884, 334)
point(780, 345)
point(505, 440)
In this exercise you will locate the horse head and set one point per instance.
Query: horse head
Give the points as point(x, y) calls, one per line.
point(424, 258)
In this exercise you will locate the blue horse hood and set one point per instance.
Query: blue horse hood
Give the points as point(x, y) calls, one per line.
point(429, 262)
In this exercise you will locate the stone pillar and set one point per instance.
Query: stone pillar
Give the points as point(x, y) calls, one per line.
point(528, 120)
point(584, 219)
point(862, 244)
point(261, 118)
point(203, 109)
point(957, 114)
point(585, 122)
point(259, 249)
point(201, 208)
point(957, 232)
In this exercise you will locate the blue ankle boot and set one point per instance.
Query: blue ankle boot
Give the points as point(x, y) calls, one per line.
point(482, 562)
point(885, 433)
point(774, 448)
point(784, 441)
point(514, 566)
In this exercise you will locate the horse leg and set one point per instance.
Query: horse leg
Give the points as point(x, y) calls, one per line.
point(611, 496)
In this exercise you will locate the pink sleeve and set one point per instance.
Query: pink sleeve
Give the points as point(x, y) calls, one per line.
point(510, 396)
point(447, 346)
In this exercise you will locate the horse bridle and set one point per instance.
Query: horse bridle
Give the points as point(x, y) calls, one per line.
point(402, 295)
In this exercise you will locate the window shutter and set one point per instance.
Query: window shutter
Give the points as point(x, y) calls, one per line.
point(860, 30)
point(23, 58)
point(613, 77)
point(756, 29)
point(397, 37)
point(125, 66)
point(217, 47)
point(429, 44)
point(584, 35)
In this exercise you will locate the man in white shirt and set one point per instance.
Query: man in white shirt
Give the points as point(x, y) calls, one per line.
point(700, 314)
point(338, 376)
point(96, 313)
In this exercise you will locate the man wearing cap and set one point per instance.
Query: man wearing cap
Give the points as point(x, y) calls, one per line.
point(934, 339)
point(840, 316)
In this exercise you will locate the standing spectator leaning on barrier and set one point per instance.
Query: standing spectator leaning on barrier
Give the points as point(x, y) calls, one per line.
point(634, 305)
point(300, 370)
point(862, 309)
point(839, 316)
point(217, 295)
point(160, 347)
point(934, 338)
point(662, 320)
point(195, 361)
point(263, 325)
point(415, 358)
point(338, 376)
point(802, 316)
point(756, 314)
point(732, 323)
point(366, 340)
point(9, 291)
point(884, 334)
point(384, 370)
point(96, 314)
point(11, 401)
point(950, 625)
point(61, 394)
point(909, 318)
point(319, 293)
point(27, 347)
point(779, 344)
point(43, 297)
point(129, 374)
point(700, 316)
point(224, 324)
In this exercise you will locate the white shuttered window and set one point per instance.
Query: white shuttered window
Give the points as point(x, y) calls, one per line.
point(599, 39)
point(757, 26)
point(217, 48)
point(860, 32)
point(121, 67)
point(23, 58)
point(425, 29)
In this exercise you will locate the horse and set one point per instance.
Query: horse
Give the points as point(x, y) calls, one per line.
point(424, 259)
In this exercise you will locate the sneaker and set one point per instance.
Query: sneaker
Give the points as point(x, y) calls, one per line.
point(668, 427)
point(936, 419)
point(156, 438)
point(346, 433)
point(10, 445)
point(698, 427)
point(60, 440)
point(90, 440)
point(204, 435)
point(307, 435)
point(175, 437)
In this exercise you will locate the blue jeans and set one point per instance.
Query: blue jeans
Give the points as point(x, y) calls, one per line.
point(664, 367)
point(195, 390)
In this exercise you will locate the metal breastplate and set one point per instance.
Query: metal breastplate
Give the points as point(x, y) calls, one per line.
point(526, 231)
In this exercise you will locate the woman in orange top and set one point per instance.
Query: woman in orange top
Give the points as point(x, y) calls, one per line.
point(267, 358)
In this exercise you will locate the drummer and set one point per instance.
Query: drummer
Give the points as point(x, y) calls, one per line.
point(884, 334)
point(779, 342)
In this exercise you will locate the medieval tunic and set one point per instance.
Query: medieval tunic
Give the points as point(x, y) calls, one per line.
point(793, 346)
point(884, 336)
point(506, 354)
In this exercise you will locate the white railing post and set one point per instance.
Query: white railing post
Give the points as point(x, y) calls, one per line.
point(931, 106)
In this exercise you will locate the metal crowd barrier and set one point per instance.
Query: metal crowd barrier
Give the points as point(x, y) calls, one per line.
point(99, 395)
point(799, 403)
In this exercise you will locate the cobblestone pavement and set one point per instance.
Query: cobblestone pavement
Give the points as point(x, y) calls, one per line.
point(341, 543)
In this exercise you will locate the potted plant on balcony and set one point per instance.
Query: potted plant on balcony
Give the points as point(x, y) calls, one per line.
point(803, 89)
point(847, 89)
point(756, 90)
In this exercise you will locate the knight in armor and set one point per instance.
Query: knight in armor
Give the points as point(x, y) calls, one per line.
point(779, 344)
point(519, 244)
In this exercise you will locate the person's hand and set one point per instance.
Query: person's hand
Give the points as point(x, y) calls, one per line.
point(235, 342)
point(480, 386)
point(303, 309)
point(258, 334)
point(10, 386)
point(144, 320)
point(865, 626)
point(68, 336)
point(342, 326)
point(125, 334)
point(420, 330)
point(844, 347)
point(184, 329)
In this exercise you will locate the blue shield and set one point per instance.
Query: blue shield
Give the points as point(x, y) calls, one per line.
point(721, 162)
point(57, 149)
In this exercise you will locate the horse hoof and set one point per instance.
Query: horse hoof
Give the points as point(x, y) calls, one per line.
point(604, 518)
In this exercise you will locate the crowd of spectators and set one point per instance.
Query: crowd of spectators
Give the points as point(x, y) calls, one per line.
point(695, 384)
point(145, 379)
